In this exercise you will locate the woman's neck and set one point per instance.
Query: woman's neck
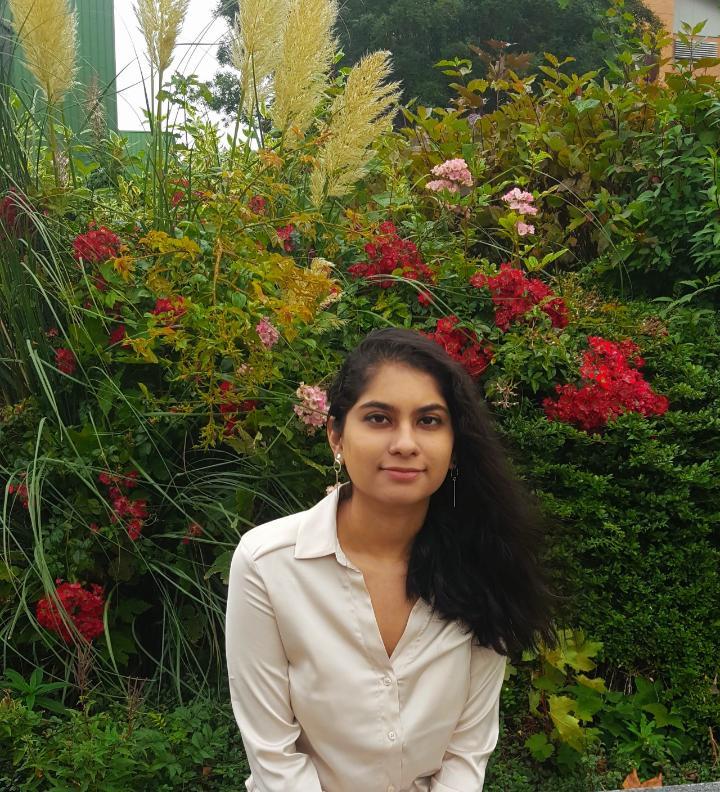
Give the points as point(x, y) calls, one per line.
point(379, 532)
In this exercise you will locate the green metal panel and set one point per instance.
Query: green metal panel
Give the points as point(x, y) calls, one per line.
point(96, 64)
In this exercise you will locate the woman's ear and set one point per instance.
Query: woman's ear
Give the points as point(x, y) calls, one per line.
point(332, 435)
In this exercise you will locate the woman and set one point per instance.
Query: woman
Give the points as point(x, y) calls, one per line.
point(367, 636)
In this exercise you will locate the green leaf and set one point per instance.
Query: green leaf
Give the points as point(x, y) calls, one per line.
point(221, 566)
point(568, 727)
point(597, 684)
point(539, 747)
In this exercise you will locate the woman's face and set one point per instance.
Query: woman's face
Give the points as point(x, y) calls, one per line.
point(400, 421)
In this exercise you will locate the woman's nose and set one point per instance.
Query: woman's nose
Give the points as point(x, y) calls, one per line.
point(404, 438)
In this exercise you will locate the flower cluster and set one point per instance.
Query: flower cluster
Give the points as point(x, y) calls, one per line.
point(193, 530)
point(611, 387)
point(123, 507)
point(452, 174)
point(21, 490)
point(169, 307)
point(524, 229)
point(285, 235)
point(258, 204)
point(521, 202)
point(96, 245)
point(65, 360)
point(387, 253)
point(462, 345)
point(313, 408)
point(514, 294)
point(83, 607)
point(230, 406)
point(269, 334)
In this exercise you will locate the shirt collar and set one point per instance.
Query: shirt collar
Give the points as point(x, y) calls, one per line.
point(317, 533)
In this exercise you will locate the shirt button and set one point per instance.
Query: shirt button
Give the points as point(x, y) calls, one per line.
point(387, 681)
point(391, 735)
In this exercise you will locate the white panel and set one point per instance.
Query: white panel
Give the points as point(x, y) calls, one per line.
point(694, 11)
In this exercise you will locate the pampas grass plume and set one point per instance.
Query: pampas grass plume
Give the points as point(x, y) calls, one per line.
point(256, 45)
point(47, 30)
point(160, 22)
point(357, 117)
point(306, 54)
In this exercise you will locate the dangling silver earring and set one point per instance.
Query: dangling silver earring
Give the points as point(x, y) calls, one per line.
point(453, 476)
point(337, 467)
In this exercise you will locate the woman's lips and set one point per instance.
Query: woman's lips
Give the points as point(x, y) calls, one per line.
point(402, 475)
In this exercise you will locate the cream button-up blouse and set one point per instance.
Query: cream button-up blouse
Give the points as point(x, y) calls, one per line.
point(320, 705)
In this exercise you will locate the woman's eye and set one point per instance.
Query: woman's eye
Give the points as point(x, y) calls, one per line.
point(430, 418)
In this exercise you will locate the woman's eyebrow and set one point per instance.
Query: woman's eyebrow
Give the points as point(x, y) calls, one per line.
point(378, 405)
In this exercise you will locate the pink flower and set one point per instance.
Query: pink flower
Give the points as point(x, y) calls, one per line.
point(524, 229)
point(65, 360)
point(520, 201)
point(454, 170)
point(442, 184)
point(268, 334)
point(314, 407)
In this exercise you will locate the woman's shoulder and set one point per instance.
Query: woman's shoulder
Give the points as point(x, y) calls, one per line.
point(271, 536)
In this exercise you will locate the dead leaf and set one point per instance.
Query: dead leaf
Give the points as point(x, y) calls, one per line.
point(633, 781)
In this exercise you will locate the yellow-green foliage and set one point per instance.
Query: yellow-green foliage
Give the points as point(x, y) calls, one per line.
point(256, 45)
point(305, 57)
point(358, 116)
point(160, 22)
point(47, 30)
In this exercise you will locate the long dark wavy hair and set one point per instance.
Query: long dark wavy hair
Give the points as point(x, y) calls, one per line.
point(476, 563)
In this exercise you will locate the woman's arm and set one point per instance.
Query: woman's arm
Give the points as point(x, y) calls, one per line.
point(259, 688)
point(476, 733)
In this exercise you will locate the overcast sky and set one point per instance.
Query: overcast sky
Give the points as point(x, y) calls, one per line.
point(195, 54)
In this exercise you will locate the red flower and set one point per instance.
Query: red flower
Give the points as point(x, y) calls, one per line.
point(83, 607)
point(134, 527)
point(514, 294)
point(123, 506)
point(258, 205)
point(388, 253)
point(461, 345)
point(172, 307)
point(22, 492)
point(284, 235)
point(193, 530)
point(96, 245)
point(230, 408)
point(65, 360)
point(609, 388)
point(117, 335)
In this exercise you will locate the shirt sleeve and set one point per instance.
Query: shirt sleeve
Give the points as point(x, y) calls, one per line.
point(259, 687)
point(476, 733)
